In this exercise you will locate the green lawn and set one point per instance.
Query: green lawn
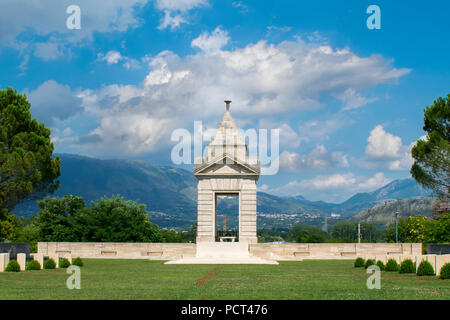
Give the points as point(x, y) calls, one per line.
point(143, 279)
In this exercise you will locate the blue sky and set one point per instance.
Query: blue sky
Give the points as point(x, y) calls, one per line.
point(348, 100)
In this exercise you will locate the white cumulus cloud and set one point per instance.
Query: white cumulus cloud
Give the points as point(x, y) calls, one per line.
point(382, 144)
point(111, 57)
point(211, 42)
point(260, 78)
point(377, 181)
point(353, 99)
point(387, 150)
point(46, 21)
point(336, 187)
point(180, 5)
point(52, 102)
point(175, 11)
point(319, 157)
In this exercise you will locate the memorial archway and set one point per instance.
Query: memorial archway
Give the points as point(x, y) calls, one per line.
point(226, 170)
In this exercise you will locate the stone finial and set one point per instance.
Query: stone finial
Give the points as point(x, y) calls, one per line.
point(228, 104)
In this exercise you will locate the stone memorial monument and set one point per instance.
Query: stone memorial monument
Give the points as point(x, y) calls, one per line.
point(227, 170)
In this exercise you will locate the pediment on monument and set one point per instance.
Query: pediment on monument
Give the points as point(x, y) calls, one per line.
point(226, 165)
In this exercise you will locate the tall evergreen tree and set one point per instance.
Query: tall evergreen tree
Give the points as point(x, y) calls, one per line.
point(431, 167)
point(26, 163)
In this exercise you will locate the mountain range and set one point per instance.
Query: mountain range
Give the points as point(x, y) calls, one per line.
point(385, 213)
point(170, 193)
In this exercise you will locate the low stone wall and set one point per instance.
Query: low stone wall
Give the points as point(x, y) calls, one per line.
point(301, 251)
point(437, 261)
point(119, 250)
point(271, 251)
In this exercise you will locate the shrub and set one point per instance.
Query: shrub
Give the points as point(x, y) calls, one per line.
point(445, 271)
point(425, 269)
point(369, 262)
point(77, 262)
point(33, 265)
point(391, 265)
point(49, 264)
point(13, 266)
point(64, 263)
point(380, 265)
point(407, 266)
point(359, 262)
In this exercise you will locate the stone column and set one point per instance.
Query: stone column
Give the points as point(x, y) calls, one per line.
point(247, 212)
point(39, 257)
point(4, 260)
point(22, 260)
point(205, 212)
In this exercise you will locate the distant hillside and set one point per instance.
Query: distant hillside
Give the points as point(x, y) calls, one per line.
point(162, 188)
point(170, 193)
point(270, 204)
point(395, 190)
point(384, 214)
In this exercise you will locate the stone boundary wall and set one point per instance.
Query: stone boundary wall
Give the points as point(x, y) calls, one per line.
point(118, 250)
point(270, 251)
point(301, 251)
point(436, 260)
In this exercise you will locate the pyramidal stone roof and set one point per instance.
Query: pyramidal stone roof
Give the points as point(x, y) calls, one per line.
point(227, 143)
point(228, 133)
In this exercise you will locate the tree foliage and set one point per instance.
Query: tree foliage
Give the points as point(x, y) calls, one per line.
point(108, 220)
point(25, 230)
point(391, 265)
point(438, 231)
point(6, 224)
point(348, 232)
point(26, 163)
point(418, 229)
point(411, 229)
point(191, 235)
point(33, 265)
point(416, 225)
point(169, 235)
point(425, 269)
point(431, 167)
point(307, 234)
point(13, 266)
point(369, 262)
point(266, 235)
point(359, 262)
point(407, 266)
point(445, 271)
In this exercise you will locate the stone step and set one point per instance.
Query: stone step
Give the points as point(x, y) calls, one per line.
point(218, 250)
point(251, 260)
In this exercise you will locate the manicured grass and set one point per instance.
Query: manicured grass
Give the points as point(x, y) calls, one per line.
point(143, 279)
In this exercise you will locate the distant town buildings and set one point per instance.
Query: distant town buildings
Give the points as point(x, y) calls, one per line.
point(335, 215)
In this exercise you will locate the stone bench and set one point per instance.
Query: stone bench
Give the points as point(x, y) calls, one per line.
point(233, 239)
point(155, 253)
